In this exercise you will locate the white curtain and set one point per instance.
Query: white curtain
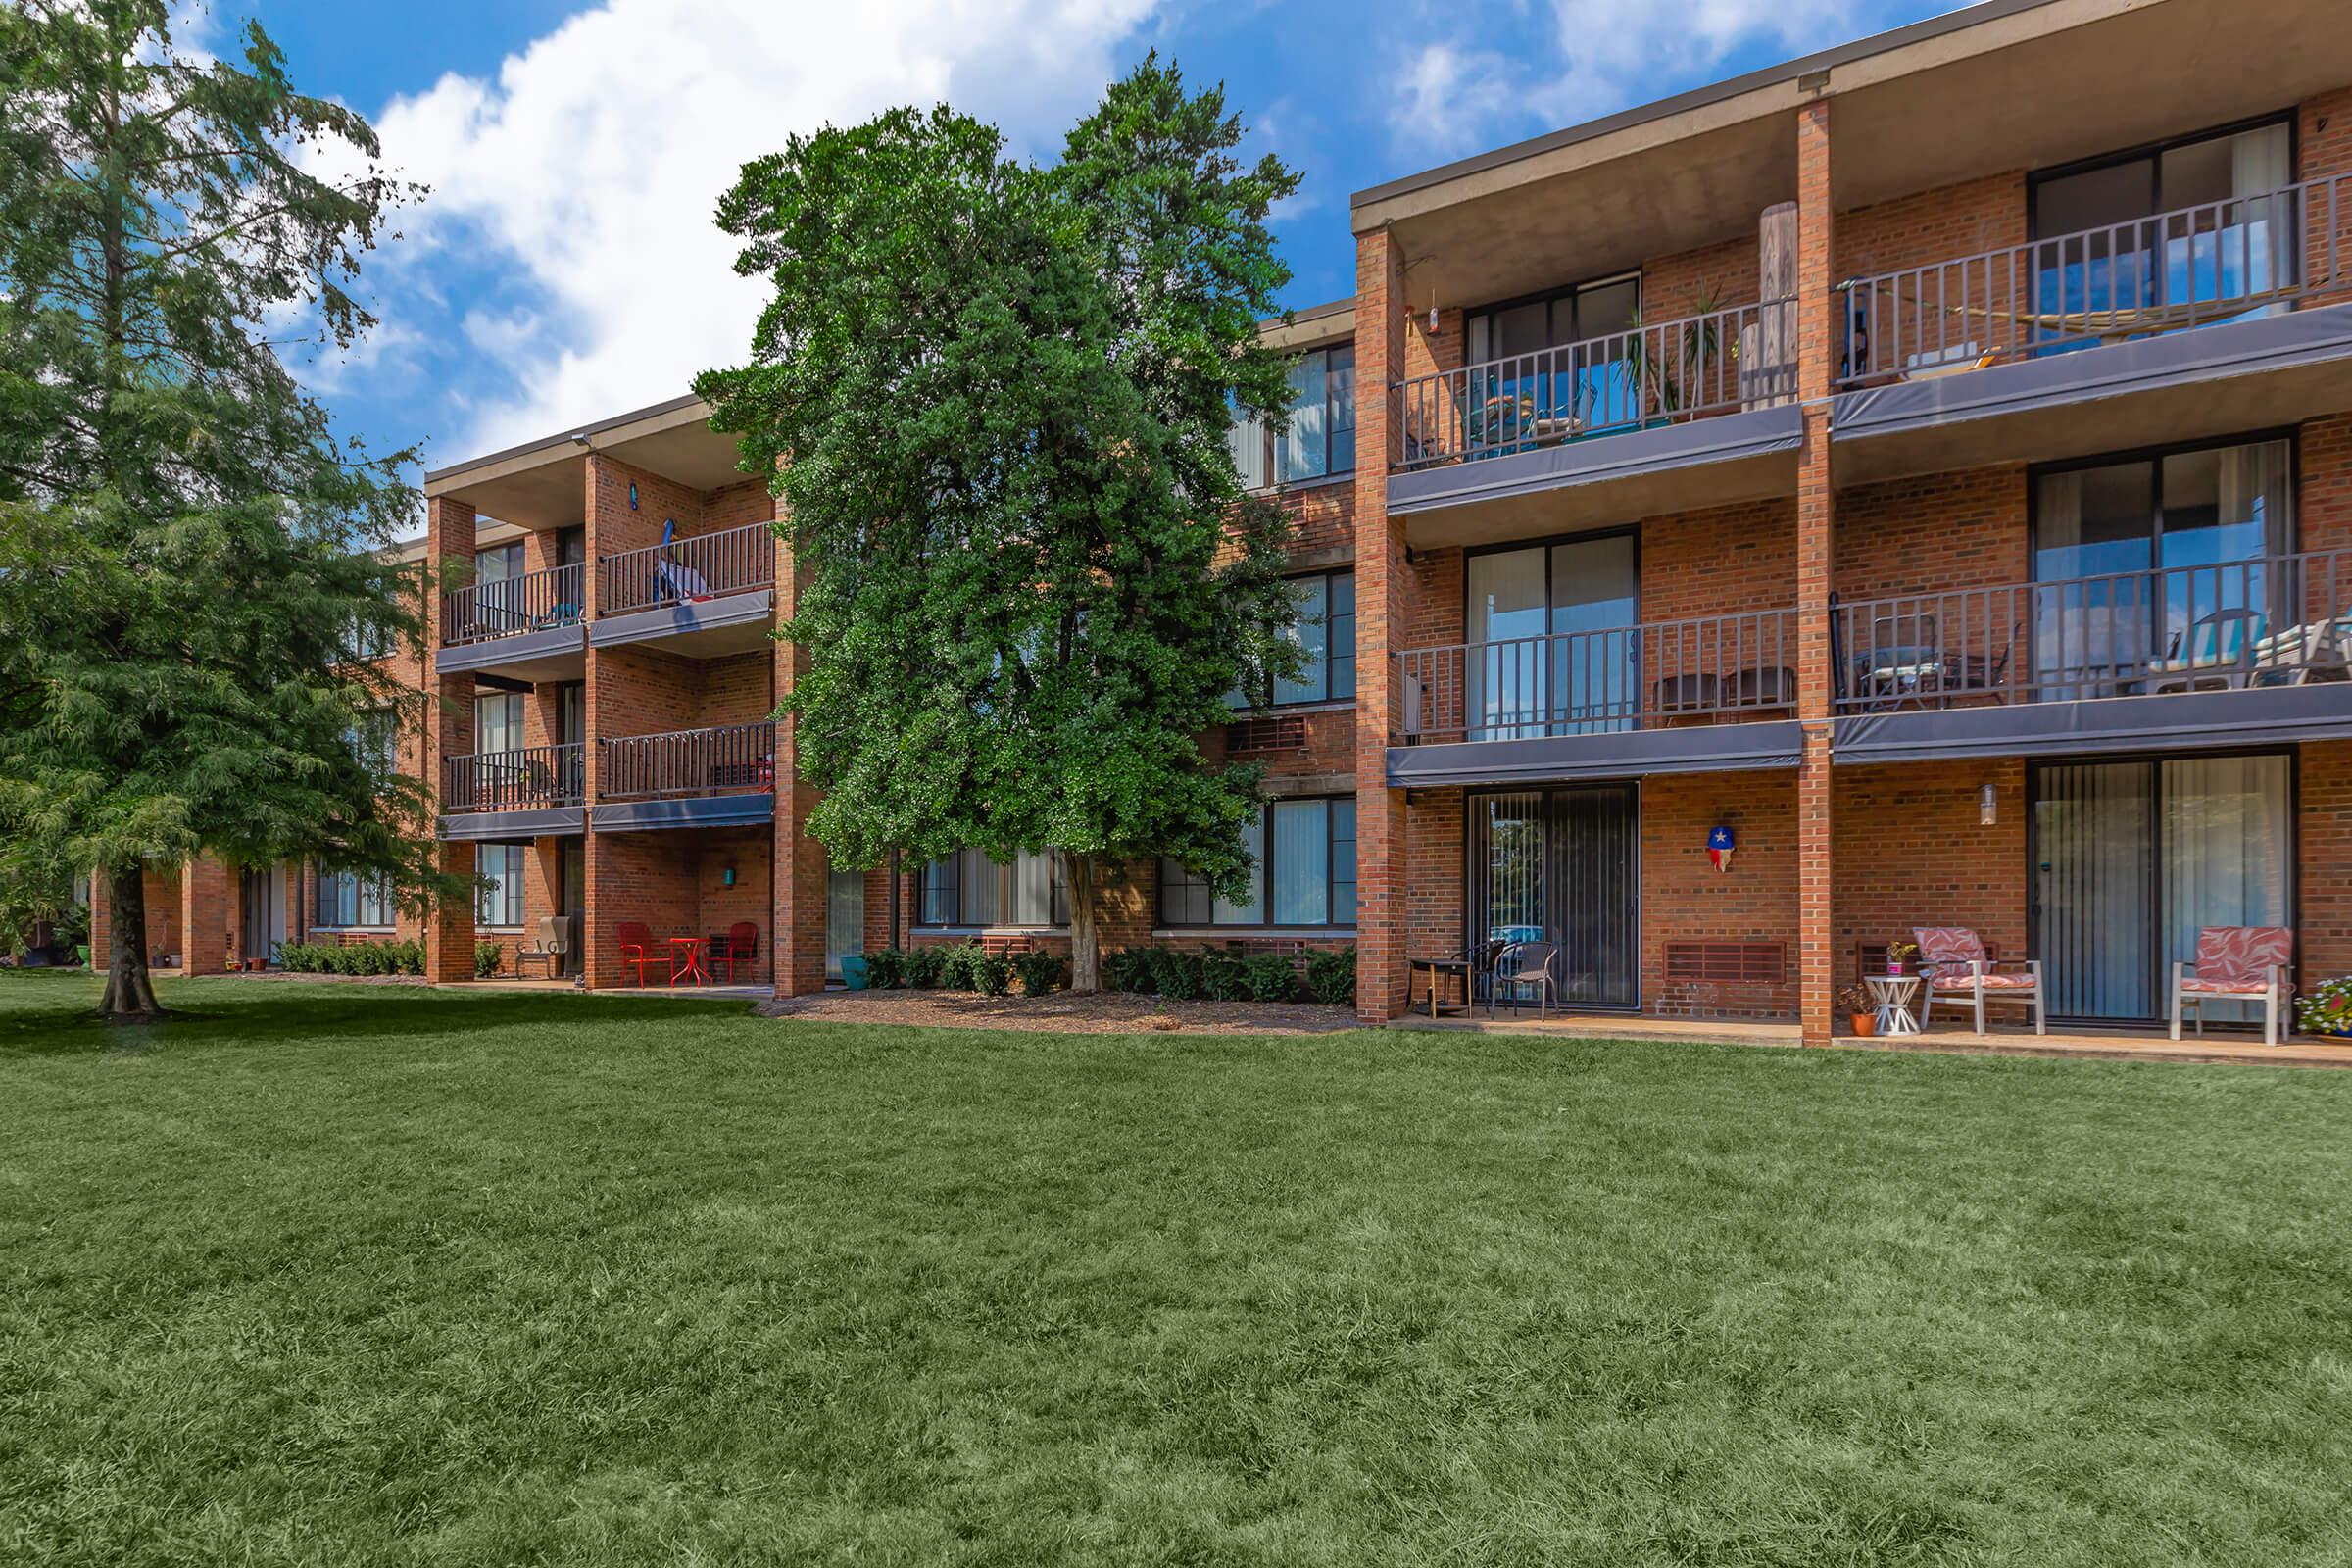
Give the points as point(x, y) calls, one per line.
point(2257, 251)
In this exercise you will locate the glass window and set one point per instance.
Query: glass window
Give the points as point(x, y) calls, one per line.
point(1326, 630)
point(1305, 875)
point(500, 903)
point(347, 900)
point(968, 888)
point(375, 741)
point(1252, 910)
point(498, 722)
point(1321, 438)
point(1303, 859)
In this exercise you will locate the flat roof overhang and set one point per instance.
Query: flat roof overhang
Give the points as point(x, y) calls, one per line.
point(1619, 753)
point(542, 483)
point(710, 628)
point(557, 653)
point(717, 810)
point(2185, 386)
point(553, 821)
point(1747, 456)
point(2176, 721)
point(2032, 84)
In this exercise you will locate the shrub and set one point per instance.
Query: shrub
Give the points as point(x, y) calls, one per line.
point(991, 973)
point(342, 959)
point(924, 967)
point(1132, 969)
point(956, 967)
point(1331, 976)
point(1179, 970)
point(375, 957)
point(2326, 1009)
point(412, 957)
point(1223, 977)
point(1272, 977)
point(885, 969)
point(1041, 972)
point(487, 956)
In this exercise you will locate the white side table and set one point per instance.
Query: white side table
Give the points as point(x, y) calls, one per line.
point(1894, 993)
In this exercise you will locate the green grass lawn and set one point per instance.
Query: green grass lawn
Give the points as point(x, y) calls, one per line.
point(345, 1274)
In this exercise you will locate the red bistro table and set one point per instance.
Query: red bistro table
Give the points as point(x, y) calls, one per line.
point(686, 958)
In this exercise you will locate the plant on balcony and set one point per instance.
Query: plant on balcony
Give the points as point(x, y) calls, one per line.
point(1656, 376)
point(2326, 1009)
point(187, 546)
point(1046, 553)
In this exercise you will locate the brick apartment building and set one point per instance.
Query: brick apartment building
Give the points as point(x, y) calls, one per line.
point(1928, 462)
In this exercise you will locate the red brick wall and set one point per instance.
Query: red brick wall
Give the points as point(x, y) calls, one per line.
point(1911, 852)
point(2323, 149)
point(2325, 879)
point(1960, 529)
point(1714, 276)
point(1946, 223)
point(1685, 899)
point(1434, 890)
point(2323, 518)
point(1719, 560)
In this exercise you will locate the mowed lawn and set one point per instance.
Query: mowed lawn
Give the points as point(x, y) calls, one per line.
point(355, 1274)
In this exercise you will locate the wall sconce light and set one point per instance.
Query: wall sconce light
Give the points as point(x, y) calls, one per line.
point(726, 877)
point(632, 495)
point(1988, 807)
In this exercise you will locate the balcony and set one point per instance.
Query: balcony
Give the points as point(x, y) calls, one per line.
point(2238, 652)
point(687, 778)
point(706, 595)
point(514, 794)
point(1712, 694)
point(2140, 319)
point(532, 627)
point(1633, 408)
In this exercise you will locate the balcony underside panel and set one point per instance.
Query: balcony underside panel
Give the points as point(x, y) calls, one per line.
point(733, 623)
point(724, 810)
point(2265, 715)
point(557, 653)
point(1673, 467)
point(553, 821)
point(1691, 749)
point(2212, 380)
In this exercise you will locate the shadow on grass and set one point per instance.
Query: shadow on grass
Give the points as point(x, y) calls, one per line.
point(51, 1016)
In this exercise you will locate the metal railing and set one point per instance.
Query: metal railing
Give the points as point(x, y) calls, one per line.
point(514, 781)
point(2278, 621)
point(1741, 357)
point(507, 606)
point(702, 566)
point(2192, 267)
point(731, 759)
point(1589, 682)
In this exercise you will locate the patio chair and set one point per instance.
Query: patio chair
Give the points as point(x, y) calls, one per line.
point(2314, 651)
point(741, 945)
point(554, 941)
point(2245, 964)
point(1957, 968)
point(2210, 655)
point(1903, 659)
point(636, 940)
point(1533, 964)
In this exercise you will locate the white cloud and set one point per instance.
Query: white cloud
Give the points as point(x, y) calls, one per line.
point(588, 170)
point(1448, 101)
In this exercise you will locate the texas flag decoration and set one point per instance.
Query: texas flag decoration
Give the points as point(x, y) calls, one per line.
point(1719, 848)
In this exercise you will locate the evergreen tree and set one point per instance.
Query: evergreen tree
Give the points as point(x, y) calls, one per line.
point(187, 551)
point(995, 400)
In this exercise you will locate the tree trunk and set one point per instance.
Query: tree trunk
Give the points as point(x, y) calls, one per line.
point(130, 987)
point(1086, 945)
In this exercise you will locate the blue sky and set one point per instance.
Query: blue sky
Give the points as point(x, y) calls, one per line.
point(564, 266)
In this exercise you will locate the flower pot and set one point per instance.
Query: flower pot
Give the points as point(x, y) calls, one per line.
point(1864, 1023)
point(853, 972)
point(1895, 966)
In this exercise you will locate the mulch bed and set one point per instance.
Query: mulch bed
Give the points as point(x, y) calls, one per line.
point(1106, 1013)
point(325, 979)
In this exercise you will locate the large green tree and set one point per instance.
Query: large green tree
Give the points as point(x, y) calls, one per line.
point(187, 550)
point(995, 399)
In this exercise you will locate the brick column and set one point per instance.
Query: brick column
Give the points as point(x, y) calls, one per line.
point(1381, 588)
point(799, 887)
point(1815, 562)
point(603, 504)
point(207, 909)
point(448, 732)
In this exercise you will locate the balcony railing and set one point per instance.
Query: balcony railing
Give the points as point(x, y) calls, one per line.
point(1742, 357)
point(528, 779)
point(536, 601)
point(1591, 682)
point(733, 760)
point(703, 566)
point(2282, 620)
point(2192, 266)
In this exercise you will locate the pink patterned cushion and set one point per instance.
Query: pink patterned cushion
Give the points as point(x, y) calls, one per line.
point(2234, 957)
point(1962, 980)
point(2232, 988)
point(1953, 946)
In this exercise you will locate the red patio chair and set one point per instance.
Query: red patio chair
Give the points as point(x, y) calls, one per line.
point(741, 945)
point(2239, 964)
point(1959, 970)
point(636, 941)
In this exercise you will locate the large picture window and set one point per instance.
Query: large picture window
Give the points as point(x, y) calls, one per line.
point(350, 902)
point(498, 721)
point(1304, 873)
point(968, 888)
point(1326, 632)
point(1321, 438)
point(499, 904)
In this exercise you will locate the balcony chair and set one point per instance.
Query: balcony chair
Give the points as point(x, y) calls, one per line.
point(2239, 964)
point(1904, 658)
point(1957, 967)
point(2210, 655)
point(740, 945)
point(636, 941)
point(2314, 651)
point(554, 941)
point(1533, 964)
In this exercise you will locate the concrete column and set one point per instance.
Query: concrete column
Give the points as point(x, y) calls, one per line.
point(1382, 589)
point(1815, 562)
point(448, 732)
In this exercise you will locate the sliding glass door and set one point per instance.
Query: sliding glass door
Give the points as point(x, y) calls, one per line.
point(2132, 859)
point(1555, 642)
point(1563, 866)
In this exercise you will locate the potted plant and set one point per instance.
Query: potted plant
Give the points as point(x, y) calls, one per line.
point(1900, 955)
point(2326, 1009)
point(1860, 1010)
